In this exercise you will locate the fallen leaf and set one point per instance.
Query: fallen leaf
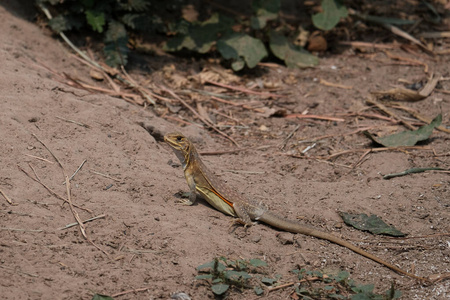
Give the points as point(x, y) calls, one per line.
point(407, 138)
point(371, 223)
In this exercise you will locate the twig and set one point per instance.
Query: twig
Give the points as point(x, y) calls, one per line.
point(74, 122)
point(177, 119)
point(40, 158)
point(341, 86)
point(401, 148)
point(79, 168)
point(69, 200)
point(6, 197)
point(389, 112)
point(290, 135)
point(271, 289)
point(19, 229)
point(18, 271)
point(356, 164)
point(408, 60)
point(104, 175)
point(38, 180)
point(130, 291)
point(207, 123)
point(237, 104)
point(418, 116)
point(244, 90)
point(85, 221)
point(326, 118)
point(371, 45)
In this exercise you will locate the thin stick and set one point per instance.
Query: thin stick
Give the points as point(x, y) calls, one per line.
point(19, 229)
point(337, 85)
point(244, 90)
point(40, 158)
point(74, 122)
point(85, 221)
point(49, 189)
point(326, 118)
point(371, 45)
point(389, 112)
point(130, 291)
point(182, 121)
point(79, 168)
point(290, 135)
point(361, 158)
point(6, 197)
point(418, 116)
point(18, 271)
point(271, 289)
point(402, 148)
point(104, 175)
point(69, 200)
point(43, 144)
point(237, 104)
point(207, 123)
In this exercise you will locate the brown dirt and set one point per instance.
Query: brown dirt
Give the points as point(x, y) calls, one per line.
point(156, 244)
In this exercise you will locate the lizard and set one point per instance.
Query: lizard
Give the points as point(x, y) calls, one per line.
point(202, 181)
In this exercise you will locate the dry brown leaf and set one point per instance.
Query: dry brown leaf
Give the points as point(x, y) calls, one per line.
point(317, 42)
point(189, 13)
point(97, 75)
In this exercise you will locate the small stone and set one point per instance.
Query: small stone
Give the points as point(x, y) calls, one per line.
point(285, 238)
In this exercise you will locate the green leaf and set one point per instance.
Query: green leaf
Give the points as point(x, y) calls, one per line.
point(116, 39)
point(220, 288)
point(368, 288)
point(200, 37)
point(268, 281)
point(204, 276)
point(256, 262)
point(372, 224)
point(236, 275)
point(264, 10)
point(292, 55)
point(333, 11)
point(341, 276)
point(208, 265)
point(101, 297)
point(258, 290)
point(407, 138)
point(96, 20)
point(62, 23)
point(242, 47)
point(392, 293)
point(336, 296)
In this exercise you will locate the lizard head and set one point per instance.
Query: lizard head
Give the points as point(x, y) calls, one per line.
point(180, 144)
point(177, 141)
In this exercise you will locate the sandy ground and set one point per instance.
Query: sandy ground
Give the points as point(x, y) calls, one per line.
point(152, 242)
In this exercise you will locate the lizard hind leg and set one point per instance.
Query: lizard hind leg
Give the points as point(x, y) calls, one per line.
point(243, 215)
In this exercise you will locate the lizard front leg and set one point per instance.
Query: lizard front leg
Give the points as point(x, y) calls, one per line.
point(193, 188)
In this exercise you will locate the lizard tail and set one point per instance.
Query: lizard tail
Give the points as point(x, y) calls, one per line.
point(294, 227)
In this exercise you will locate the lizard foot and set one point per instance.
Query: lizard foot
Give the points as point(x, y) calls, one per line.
point(187, 202)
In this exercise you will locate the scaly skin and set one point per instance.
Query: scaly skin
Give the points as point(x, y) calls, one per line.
point(226, 200)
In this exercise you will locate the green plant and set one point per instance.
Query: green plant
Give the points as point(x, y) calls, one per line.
point(115, 20)
point(223, 273)
point(317, 285)
point(110, 19)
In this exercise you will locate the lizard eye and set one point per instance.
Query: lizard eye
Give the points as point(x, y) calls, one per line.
point(179, 138)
